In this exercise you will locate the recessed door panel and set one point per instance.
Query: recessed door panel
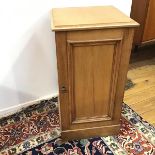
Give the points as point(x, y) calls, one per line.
point(92, 70)
point(102, 69)
point(83, 76)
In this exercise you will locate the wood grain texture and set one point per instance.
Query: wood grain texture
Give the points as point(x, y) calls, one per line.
point(92, 84)
point(89, 87)
point(89, 18)
point(62, 62)
point(126, 48)
point(143, 11)
point(141, 97)
point(92, 68)
point(139, 11)
point(149, 32)
point(95, 132)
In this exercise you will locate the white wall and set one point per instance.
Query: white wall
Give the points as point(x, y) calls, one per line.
point(27, 48)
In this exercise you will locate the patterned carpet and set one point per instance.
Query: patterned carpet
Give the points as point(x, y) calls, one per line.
point(34, 131)
point(129, 84)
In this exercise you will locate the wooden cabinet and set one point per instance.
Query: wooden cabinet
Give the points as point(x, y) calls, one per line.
point(143, 11)
point(93, 48)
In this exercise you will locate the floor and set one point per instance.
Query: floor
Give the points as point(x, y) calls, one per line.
point(141, 96)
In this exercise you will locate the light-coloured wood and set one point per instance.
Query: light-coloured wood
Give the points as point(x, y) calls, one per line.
point(93, 65)
point(141, 96)
point(142, 83)
point(88, 70)
point(145, 106)
point(63, 77)
point(107, 130)
point(149, 116)
point(126, 48)
point(89, 18)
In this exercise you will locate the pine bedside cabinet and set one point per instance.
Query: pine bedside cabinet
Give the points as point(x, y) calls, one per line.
point(93, 47)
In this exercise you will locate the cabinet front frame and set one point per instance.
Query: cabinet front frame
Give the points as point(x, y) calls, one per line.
point(115, 67)
point(126, 35)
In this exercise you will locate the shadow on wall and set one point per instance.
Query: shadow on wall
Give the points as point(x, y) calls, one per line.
point(13, 95)
point(33, 73)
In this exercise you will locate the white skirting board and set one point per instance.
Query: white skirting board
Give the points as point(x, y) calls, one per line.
point(17, 108)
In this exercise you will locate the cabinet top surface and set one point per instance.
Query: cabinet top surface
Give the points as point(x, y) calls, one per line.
point(77, 18)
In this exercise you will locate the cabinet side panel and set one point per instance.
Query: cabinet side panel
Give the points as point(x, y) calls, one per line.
point(62, 65)
point(123, 69)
